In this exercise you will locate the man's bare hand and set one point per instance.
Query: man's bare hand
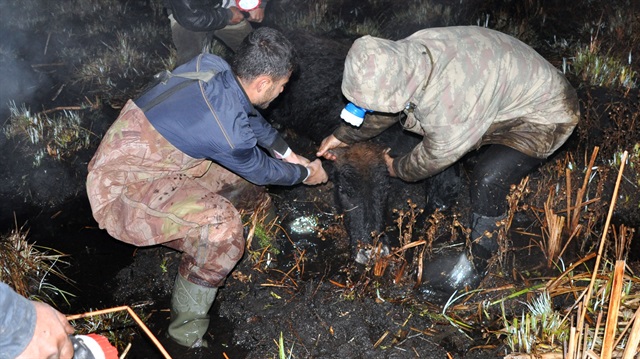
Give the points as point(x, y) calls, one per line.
point(317, 173)
point(256, 15)
point(51, 335)
point(388, 160)
point(329, 143)
point(297, 159)
point(237, 16)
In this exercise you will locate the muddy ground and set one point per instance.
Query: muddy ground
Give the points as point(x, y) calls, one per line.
point(305, 287)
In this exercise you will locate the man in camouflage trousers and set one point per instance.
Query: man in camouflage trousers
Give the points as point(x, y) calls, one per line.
point(460, 88)
point(180, 162)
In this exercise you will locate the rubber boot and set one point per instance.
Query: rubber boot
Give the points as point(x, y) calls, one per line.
point(484, 238)
point(365, 256)
point(449, 273)
point(190, 304)
point(454, 272)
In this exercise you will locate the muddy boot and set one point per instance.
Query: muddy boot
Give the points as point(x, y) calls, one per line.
point(448, 273)
point(366, 256)
point(190, 304)
point(484, 238)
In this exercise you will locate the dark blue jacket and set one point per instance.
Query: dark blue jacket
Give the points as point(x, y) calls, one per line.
point(214, 120)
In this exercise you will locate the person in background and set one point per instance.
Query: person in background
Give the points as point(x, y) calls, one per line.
point(181, 162)
point(460, 88)
point(31, 329)
point(195, 22)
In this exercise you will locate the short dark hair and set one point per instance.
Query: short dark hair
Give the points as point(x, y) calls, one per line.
point(265, 51)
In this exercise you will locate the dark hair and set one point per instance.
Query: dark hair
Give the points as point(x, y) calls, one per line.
point(265, 51)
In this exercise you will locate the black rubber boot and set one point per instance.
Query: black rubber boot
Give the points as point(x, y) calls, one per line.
point(450, 273)
point(484, 239)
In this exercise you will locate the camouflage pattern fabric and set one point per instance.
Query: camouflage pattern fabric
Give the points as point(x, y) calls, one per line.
point(144, 191)
point(460, 88)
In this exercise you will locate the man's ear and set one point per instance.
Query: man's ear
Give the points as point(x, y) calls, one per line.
point(262, 83)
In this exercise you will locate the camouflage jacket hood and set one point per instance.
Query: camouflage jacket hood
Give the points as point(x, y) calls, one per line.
point(460, 87)
point(382, 75)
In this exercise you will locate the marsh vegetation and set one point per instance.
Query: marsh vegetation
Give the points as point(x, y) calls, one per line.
point(564, 283)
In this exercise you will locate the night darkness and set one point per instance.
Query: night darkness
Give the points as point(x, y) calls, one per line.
point(68, 68)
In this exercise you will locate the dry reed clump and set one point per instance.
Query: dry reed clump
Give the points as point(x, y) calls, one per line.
point(573, 211)
point(27, 268)
point(261, 226)
point(117, 70)
point(366, 18)
point(612, 66)
point(309, 16)
point(598, 69)
point(57, 136)
point(599, 321)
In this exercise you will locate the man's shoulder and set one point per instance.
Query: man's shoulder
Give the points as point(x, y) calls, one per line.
point(204, 62)
point(213, 61)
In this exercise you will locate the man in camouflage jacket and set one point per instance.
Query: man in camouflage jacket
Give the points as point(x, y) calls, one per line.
point(460, 88)
point(181, 161)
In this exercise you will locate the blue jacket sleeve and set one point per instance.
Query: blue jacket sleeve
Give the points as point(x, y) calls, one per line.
point(268, 137)
point(17, 322)
point(257, 167)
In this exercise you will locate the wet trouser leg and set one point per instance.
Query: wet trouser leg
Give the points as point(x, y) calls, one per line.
point(498, 168)
point(232, 35)
point(189, 44)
